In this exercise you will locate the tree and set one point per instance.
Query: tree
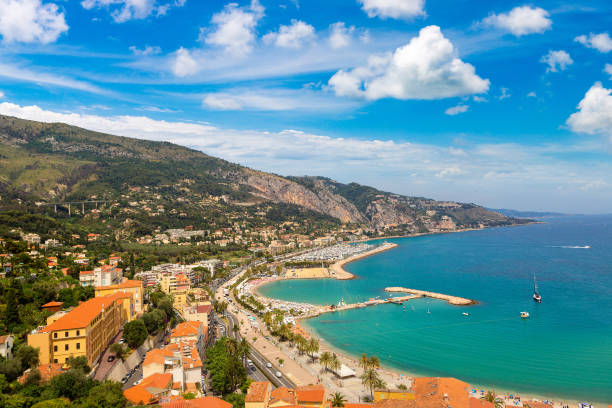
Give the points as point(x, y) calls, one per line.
point(334, 363)
point(72, 384)
point(118, 350)
point(374, 362)
point(106, 395)
point(237, 400)
point(337, 400)
point(325, 359)
point(372, 381)
point(364, 362)
point(27, 355)
point(53, 403)
point(135, 333)
point(313, 348)
point(491, 397)
point(79, 363)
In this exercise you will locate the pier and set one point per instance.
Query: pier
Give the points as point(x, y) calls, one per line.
point(453, 300)
point(319, 310)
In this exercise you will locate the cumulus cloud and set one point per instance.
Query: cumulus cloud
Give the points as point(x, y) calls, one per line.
point(340, 35)
point(608, 69)
point(126, 10)
point(31, 21)
point(235, 28)
point(455, 110)
point(601, 42)
point(291, 36)
point(521, 20)
point(146, 51)
point(400, 9)
point(184, 64)
point(594, 115)
point(492, 174)
point(425, 68)
point(557, 60)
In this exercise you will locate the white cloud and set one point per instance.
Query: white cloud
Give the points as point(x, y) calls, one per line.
point(455, 110)
point(601, 42)
point(235, 28)
point(275, 100)
point(531, 95)
point(393, 8)
point(497, 175)
point(146, 51)
point(594, 116)
point(340, 35)
point(21, 73)
point(479, 99)
point(1, 94)
point(608, 69)
point(505, 93)
point(126, 10)
point(31, 21)
point(426, 68)
point(291, 36)
point(184, 64)
point(521, 20)
point(557, 60)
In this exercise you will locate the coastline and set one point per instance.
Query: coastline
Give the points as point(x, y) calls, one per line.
point(337, 268)
point(396, 374)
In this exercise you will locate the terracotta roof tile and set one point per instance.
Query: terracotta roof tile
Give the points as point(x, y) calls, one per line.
point(310, 393)
point(53, 304)
point(480, 403)
point(397, 403)
point(434, 392)
point(82, 315)
point(258, 391)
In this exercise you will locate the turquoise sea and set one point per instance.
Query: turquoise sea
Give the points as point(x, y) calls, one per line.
point(563, 350)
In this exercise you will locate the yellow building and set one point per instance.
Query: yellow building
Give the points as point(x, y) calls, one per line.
point(134, 287)
point(86, 330)
point(394, 394)
point(168, 284)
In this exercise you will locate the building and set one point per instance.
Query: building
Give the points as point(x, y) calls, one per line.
point(87, 278)
point(151, 390)
point(441, 392)
point(200, 313)
point(104, 275)
point(6, 346)
point(258, 395)
point(85, 330)
point(311, 396)
point(127, 286)
point(167, 284)
point(52, 306)
point(393, 394)
point(191, 331)
point(47, 372)
point(203, 402)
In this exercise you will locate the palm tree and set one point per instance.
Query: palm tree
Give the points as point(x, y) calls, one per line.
point(372, 380)
point(302, 344)
point(337, 400)
point(374, 362)
point(243, 350)
point(364, 362)
point(494, 399)
point(325, 359)
point(313, 348)
point(334, 363)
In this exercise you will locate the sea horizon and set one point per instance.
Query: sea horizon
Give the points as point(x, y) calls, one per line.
point(561, 351)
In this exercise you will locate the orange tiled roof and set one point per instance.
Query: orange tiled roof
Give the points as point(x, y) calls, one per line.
point(310, 393)
point(157, 356)
point(53, 304)
point(349, 405)
point(80, 316)
point(480, 403)
point(138, 395)
point(186, 329)
point(397, 403)
point(204, 402)
point(258, 391)
point(47, 372)
point(432, 392)
point(283, 394)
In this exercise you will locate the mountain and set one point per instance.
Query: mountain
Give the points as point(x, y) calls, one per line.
point(165, 184)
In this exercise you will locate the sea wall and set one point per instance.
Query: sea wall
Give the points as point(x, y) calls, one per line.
point(453, 300)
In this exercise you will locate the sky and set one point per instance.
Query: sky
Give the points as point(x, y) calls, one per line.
point(506, 104)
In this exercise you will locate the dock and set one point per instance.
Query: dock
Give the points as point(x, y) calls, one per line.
point(453, 300)
point(372, 302)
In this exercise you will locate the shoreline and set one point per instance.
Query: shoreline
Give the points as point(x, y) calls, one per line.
point(396, 373)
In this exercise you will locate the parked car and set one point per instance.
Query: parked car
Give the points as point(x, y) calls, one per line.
point(279, 374)
point(269, 365)
point(110, 358)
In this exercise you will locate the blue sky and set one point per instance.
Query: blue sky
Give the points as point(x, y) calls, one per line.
point(502, 103)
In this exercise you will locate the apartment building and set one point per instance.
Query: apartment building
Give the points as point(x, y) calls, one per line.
point(260, 395)
point(104, 275)
point(133, 287)
point(85, 330)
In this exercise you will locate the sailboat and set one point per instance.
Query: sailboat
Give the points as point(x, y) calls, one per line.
point(536, 295)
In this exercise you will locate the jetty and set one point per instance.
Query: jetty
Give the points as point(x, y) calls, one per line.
point(453, 300)
point(319, 310)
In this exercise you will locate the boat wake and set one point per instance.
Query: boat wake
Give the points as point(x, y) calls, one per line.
point(572, 246)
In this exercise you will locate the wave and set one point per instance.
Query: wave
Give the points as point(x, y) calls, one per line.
point(572, 246)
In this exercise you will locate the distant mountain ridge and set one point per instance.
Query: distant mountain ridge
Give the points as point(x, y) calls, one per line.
point(48, 162)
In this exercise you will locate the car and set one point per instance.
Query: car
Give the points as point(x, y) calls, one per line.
point(121, 341)
point(250, 361)
point(124, 380)
point(110, 358)
point(279, 374)
point(138, 382)
point(269, 365)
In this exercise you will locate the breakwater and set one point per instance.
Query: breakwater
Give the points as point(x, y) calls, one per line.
point(453, 300)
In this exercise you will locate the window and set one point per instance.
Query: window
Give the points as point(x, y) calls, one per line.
point(55, 335)
point(65, 334)
point(54, 348)
point(78, 332)
point(78, 345)
point(66, 347)
point(55, 360)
